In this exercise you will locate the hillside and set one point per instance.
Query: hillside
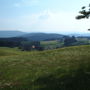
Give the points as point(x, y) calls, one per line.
point(42, 36)
point(5, 34)
point(60, 69)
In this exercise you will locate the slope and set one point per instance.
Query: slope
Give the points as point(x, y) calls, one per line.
point(42, 36)
point(60, 69)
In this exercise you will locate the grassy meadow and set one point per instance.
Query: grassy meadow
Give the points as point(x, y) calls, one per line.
point(60, 69)
point(51, 44)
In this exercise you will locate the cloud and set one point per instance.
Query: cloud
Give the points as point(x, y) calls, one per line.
point(49, 21)
point(46, 21)
point(26, 3)
point(63, 22)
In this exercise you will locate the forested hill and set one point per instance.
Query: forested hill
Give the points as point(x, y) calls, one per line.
point(42, 36)
point(31, 36)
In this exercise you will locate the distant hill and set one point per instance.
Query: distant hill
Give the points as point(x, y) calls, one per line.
point(6, 34)
point(42, 36)
point(80, 34)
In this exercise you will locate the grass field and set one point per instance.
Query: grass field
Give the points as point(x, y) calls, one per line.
point(60, 69)
point(51, 44)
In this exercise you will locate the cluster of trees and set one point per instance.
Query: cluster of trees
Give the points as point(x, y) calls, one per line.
point(64, 42)
point(27, 45)
point(11, 42)
point(21, 43)
point(30, 45)
point(69, 41)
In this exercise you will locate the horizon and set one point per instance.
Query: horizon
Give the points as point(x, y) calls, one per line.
point(51, 16)
point(64, 33)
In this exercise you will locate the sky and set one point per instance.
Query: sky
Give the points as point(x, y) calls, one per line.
point(51, 16)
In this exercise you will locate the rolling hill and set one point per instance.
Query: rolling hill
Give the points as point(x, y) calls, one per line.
point(31, 36)
point(42, 36)
point(60, 69)
point(7, 34)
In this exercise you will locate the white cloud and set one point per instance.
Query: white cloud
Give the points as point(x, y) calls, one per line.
point(59, 22)
point(47, 21)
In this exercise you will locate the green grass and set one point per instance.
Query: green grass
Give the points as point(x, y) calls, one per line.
point(83, 40)
point(51, 44)
point(60, 69)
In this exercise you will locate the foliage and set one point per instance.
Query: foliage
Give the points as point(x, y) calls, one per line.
point(84, 13)
point(30, 45)
point(11, 42)
point(26, 45)
point(21, 43)
point(68, 41)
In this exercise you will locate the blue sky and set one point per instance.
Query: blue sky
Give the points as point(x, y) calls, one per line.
point(52, 16)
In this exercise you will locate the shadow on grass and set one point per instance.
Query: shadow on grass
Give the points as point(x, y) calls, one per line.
point(59, 80)
point(78, 81)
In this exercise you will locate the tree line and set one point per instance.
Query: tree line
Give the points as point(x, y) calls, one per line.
point(27, 45)
point(21, 43)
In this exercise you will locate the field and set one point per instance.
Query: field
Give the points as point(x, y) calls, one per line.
point(51, 44)
point(59, 69)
